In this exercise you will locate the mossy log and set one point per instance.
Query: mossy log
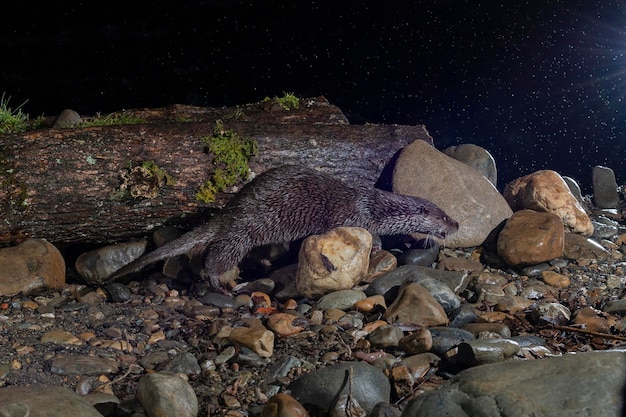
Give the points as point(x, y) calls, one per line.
point(64, 184)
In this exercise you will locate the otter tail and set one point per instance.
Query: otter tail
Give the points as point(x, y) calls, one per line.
point(192, 242)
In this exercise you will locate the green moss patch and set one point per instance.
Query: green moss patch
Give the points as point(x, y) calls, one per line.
point(144, 181)
point(231, 153)
point(288, 101)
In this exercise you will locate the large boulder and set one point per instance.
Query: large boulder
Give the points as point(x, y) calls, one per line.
point(546, 190)
point(584, 384)
point(460, 190)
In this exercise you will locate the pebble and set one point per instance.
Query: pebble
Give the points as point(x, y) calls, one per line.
point(604, 187)
point(283, 405)
point(440, 292)
point(220, 300)
point(380, 263)
point(616, 307)
point(259, 340)
point(60, 337)
point(385, 336)
point(482, 351)
point(531, 237)
point(446, 338)
point(463, 315)
point(604, 228)
point(422, 257)
point(579, 247)
point(182, 363)
point(341, 299)
point(337, 260)
point(553, 313)
point(556, 280)
point(417, 342)
point(97, 265)
point(371, 304)
point(476, 157)
point(284, 324)
point(546, 191)
point(592, 320)
point(31, 266)
point(167, 395)
point(82, 365)
point(319, 389)
point(477, 328)
point(67, 119)
point(415, 304)
point(40, 401)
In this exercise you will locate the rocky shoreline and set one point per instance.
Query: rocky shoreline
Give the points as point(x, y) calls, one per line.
point(529, 320)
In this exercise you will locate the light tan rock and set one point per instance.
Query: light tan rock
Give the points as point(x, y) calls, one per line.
point(531, 237)
point(60, 337)
point(461, 191)
point(333, 261)
point(416, 305)
point(380, 263)
point(31, 266)
point(285, 324)
point(260, 341)
point(283, 405)
point(554, 279)
point(546, 190)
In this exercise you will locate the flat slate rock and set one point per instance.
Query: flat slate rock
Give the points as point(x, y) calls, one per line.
point(574, 385)
point(39, 401)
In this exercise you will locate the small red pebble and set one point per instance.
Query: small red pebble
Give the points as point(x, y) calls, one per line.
point(4, 306)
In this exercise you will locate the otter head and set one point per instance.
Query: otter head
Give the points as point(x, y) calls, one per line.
point(394, 214)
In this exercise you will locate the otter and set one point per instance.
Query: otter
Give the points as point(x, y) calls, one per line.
point(288, 203)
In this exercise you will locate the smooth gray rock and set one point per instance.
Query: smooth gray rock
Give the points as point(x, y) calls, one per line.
point(482, 351)
point(183, 363)
point(419, 256)
point(604, 228)
point(40, 401)
point(386, 336)
point(455, 280)
point(605, 193)
point(97, 265)
point(584, 384)
point(167, 395)
point(67, 119)
point(477, 157)
point(342, 299)
point(445, 338)
point(320, 388)
point(461, 191)
point(441, 292)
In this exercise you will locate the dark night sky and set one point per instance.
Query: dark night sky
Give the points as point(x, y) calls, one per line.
point(540, 84)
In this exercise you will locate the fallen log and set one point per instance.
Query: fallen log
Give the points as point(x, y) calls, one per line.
point(65, 185)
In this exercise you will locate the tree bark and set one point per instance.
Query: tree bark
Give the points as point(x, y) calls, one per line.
point(63, 184)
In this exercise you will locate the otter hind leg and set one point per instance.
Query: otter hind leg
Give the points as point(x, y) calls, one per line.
point(220, 257)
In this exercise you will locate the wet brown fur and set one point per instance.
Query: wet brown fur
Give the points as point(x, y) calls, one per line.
point(288, 203)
